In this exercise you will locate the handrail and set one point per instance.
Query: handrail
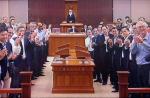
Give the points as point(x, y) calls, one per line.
point(25, 89)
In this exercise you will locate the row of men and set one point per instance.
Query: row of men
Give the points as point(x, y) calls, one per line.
point(22, 51)
point(113, 51)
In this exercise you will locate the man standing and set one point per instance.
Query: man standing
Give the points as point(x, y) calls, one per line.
point(140, 46)
point(71, 17)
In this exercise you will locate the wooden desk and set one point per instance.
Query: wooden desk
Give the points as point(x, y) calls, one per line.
point(65, 26)
point(59, 39)
point(72, 76)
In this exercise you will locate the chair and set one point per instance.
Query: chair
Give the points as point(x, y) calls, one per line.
point(63, 46)
point(81, 54)
point(77, 47)
point(64, 52)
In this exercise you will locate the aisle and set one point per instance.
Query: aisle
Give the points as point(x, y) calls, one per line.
point(43, 86)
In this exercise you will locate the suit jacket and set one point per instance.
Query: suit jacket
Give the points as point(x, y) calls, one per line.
point(19, 59)
point(3, 25)
point(99, 51)
point(71, 18)
point(125, 59)
point(75, 30)
point(3, 64)
point(117, 56)
point(29, 50)
point(9, 47)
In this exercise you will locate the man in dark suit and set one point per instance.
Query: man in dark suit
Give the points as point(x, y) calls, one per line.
point(73, 29)
point(99, 48)
point(3, 55)
point(71, 17)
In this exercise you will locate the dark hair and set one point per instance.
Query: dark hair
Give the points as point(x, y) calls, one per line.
point(113, 28)
point(127, 17)
point(2, 29)
point(125, 28)
point(12, 17)
point(134, 23)
point(20, 28)
point(119, 19)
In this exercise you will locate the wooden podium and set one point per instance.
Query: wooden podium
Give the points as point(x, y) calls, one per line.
point(72, 75)
point(73, 5)
point(58, 39)
point(66, 26)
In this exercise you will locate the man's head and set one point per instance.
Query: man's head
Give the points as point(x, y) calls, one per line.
point(5, 20)
point(142, 28)
point(104, 30)
point(125, 31)
point(32, 26)
point(21, 31)
point(3, 34)
point(89, 33)
point(114, 31)
point(70, 12)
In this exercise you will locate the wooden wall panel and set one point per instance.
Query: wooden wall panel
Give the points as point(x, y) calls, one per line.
point(73, 5)
point(47, 11)
point(94, 11)
point(53, 11)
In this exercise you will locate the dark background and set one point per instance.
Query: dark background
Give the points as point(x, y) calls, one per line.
point(90, 12)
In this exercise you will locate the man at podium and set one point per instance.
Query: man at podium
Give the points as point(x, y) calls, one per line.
point(71, 17)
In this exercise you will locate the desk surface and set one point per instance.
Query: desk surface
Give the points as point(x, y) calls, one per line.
point(72, 76)
point(72, 62)
point(67, 35)
point(71, 24)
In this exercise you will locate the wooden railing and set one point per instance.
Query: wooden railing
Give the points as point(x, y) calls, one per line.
point(25, 89)
point(123, 85)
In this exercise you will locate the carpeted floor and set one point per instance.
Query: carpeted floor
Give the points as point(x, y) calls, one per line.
point(43, 87)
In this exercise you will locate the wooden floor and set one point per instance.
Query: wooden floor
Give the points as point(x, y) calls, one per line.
point(43, 87)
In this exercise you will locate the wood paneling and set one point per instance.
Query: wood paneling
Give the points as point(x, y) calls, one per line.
point(73, 5)
point(94, 11)
point(47, 11)
point(53, 11)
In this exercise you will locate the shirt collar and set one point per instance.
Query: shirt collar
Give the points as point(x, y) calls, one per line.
point(146, 37)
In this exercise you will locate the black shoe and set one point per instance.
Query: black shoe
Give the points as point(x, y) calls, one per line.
point(33, 78)
point(42, 75)
point(115, 91)
point(104, 83)
point(96, 80)
point(43, 66)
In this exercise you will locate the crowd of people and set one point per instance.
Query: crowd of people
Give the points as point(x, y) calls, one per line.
point(122, 46)
point(23, 47)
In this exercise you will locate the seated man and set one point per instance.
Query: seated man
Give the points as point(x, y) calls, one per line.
point(73, 29)
point(71, 17)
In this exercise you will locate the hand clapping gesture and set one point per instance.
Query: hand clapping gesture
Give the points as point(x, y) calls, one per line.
point(3, 53)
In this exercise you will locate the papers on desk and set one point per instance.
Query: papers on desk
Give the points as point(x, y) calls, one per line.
point(58, 60)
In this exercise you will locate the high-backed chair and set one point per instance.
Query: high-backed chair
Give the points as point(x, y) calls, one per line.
point(64, 52)
point(67, 45)
point(81, 54)
point(77, 47)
